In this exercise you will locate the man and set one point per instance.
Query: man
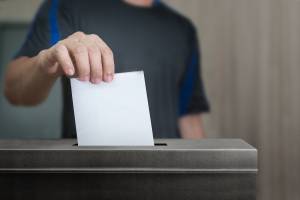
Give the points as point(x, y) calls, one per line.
point(94, 39)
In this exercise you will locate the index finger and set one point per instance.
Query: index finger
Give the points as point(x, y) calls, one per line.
point(64, 60)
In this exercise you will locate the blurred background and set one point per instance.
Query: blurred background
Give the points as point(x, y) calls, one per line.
point(251, 69)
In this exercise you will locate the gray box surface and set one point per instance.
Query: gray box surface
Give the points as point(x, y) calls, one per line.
point(173, 169)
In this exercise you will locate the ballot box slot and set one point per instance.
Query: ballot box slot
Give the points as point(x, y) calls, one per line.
point(155, 144)
point(160, 144)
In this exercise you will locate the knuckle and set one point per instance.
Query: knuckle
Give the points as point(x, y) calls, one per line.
point(43, 53)
point(80, 49)
point(107, 51)
point(93, 49)
point(94, 37)
point(59, 49)
point(78, 35)
point(59, 43)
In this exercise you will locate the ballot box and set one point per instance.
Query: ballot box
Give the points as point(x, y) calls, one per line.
point(212, 169)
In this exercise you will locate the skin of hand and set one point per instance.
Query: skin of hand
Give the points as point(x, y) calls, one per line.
point(86, 57)
point(141, 3)
point(190, 127)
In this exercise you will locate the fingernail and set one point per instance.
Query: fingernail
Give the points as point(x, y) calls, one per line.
point(70, 72)
point(108, 77)
point(96, 80)
point(85, 78)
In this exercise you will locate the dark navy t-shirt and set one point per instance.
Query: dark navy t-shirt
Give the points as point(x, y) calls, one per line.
point(157, 40)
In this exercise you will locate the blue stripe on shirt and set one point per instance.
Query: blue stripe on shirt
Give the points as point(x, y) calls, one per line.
point(54, 30)
point(186, 91)
point(156, 2)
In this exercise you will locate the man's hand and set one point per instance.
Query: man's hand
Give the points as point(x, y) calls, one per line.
point(29, 80)
point(86, 57)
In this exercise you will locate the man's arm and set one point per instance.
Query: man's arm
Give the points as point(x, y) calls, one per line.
point(29, 80)
point(190, 127)
point(26, 83)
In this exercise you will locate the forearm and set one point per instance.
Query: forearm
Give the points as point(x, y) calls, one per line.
point(191, 127)
point(26, 83)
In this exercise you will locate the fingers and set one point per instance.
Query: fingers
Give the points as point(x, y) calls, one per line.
point(94, 54)
point(107, 59)
point(93, 58)
point(95, 64)
point(87, 57)
point(63, 58)
point(81, 58)
point(107, 63)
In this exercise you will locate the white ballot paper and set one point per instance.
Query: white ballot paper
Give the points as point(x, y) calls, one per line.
point(112, 114)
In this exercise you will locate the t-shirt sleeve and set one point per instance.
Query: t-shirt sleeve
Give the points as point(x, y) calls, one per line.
point(52, 18)
point(38, 36)
point(192, 96)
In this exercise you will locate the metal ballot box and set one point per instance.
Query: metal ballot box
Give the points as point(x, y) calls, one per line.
point(212, 169)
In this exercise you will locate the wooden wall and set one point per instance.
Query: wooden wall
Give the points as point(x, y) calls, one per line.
point(251, 65)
